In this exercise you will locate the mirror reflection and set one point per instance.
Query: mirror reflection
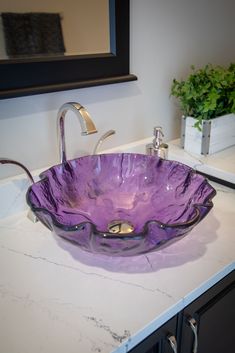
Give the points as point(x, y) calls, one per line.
point(31, 28)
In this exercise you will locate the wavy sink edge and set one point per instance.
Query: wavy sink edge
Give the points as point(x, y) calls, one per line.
point(162, 199)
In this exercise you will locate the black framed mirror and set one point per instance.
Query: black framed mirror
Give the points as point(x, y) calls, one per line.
point(22, 77)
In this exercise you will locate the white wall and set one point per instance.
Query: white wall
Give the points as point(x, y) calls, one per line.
point(167, 36)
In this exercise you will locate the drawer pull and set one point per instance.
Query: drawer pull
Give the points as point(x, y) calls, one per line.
point(173, 343)
point(193, 324)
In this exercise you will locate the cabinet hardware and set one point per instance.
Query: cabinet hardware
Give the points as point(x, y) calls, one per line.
point(173, 343)
point(193, 324)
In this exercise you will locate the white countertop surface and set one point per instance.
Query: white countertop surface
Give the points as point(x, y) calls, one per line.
point(55, 297)
point(220, 164)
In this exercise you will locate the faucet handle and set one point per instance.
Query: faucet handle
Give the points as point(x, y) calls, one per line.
point(101, 140)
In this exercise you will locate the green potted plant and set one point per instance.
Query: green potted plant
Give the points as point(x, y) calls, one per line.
point(207, 101)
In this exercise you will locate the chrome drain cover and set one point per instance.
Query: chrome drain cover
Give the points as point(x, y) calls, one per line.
point(120, 227)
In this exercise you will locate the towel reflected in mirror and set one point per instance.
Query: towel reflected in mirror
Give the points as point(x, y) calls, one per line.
point(32, 34)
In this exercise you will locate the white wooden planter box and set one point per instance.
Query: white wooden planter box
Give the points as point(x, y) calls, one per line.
point(216, 135)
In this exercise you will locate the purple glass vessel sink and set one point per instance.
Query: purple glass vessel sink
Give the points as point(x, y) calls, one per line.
point(120, 204)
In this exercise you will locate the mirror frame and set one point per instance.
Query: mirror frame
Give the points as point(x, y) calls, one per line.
point(35, 76)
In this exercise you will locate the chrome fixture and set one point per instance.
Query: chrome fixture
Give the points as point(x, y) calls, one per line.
point(3, 160)
point(101, 140)
point(120, 227)
point(86, 123)
point(157, 147)
point(193, 324)
point(173, 343)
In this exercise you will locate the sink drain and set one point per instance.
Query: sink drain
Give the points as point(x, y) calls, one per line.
point(120, 227)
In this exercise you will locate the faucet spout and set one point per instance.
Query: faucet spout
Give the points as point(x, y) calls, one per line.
point(86, 124)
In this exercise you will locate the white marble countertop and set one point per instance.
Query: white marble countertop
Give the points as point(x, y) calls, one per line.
point(220, 165)
point(55, 297)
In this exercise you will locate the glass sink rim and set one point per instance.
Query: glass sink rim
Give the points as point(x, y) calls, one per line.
point(69, 228)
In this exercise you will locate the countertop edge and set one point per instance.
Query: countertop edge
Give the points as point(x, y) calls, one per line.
point(175, 309)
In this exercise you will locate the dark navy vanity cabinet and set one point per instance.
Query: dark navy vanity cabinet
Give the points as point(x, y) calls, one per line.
point(207, 325)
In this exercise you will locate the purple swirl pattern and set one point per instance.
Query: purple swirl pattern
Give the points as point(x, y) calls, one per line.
point(161, 199)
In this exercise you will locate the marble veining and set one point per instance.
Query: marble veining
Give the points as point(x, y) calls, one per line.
point(87, 273)
point(117, 337)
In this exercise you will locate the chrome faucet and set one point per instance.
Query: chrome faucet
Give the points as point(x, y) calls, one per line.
point(101, 140)
point(86, 123)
